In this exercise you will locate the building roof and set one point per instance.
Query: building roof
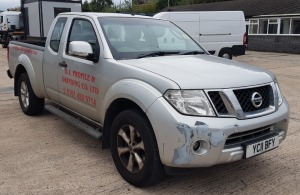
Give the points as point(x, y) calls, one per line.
point(249, 7)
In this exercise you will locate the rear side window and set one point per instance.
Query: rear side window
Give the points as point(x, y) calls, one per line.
point(57, 32)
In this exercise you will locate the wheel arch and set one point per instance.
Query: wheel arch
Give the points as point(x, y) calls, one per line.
point(115, 108)
point(126, 94)
point(25, 66)
point(19, 70)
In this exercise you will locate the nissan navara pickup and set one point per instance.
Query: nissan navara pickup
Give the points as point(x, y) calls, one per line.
point(151, 93)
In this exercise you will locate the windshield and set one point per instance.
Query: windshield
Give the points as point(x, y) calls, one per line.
point(131, 38)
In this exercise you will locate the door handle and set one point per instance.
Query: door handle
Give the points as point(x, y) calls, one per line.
point(63, 64)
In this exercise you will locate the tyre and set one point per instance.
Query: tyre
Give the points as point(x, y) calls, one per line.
point(134, 149)
point(225, 53)
point(29, 102)
point(4, 45)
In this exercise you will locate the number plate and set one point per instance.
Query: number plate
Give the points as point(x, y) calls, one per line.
point(262, 146)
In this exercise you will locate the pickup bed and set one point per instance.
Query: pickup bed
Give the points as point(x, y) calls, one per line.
point(150, 92)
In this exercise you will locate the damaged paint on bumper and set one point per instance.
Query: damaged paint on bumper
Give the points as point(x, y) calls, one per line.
point(176, 134)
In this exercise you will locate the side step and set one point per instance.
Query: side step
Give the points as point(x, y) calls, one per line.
point(93, 131)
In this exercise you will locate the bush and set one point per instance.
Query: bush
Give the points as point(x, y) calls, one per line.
point(145, 8)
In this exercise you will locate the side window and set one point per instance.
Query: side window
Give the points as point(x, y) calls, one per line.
point(56, 34)
point(83, 30)
point(1, 19)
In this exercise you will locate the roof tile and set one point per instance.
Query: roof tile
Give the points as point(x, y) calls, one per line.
point(249, 7)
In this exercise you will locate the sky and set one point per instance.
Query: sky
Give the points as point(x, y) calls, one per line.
point(5, 4)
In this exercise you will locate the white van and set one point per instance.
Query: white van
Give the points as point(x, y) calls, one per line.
point(221, 33)
point(9, 20)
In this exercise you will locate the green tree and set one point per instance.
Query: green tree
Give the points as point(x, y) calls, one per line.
point(100, 5)
point(161, 4)
point(86, 6)
point(14, 9)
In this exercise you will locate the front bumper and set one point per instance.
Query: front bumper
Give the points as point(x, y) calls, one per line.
point(176, 134)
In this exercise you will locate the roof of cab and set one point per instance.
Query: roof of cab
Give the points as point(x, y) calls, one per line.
point(94, 14)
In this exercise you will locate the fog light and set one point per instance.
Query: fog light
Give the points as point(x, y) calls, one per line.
point(201, 147)
point(196, 145)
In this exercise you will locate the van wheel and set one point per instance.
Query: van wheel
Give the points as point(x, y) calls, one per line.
point(134, 149)
point(225, 53)
point(29, 102)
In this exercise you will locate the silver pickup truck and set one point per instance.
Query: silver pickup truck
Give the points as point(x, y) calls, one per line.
point(150, 92)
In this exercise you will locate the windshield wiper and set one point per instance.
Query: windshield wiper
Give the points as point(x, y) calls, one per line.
point(191, 53)
point(156, 53)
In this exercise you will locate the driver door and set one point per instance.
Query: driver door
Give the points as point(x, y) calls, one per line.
point(78, 83)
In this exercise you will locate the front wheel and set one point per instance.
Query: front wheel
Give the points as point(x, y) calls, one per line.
point(225, 53)
point(134, 149)
point(29, 102)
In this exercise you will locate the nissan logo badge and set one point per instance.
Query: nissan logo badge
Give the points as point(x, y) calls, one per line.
point(256, 100)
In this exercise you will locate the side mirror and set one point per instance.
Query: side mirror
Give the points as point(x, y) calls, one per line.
point(80, 48)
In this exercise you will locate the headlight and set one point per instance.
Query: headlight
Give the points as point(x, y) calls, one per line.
point(280, 100)
point(191, 102)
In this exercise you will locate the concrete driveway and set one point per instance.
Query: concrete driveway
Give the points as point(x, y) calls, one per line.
point(45, 155)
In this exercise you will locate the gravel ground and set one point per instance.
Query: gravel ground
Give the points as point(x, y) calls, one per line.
point(45, 155)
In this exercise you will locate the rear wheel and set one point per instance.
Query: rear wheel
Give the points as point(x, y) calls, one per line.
point(134, 149)
point(29, 102)
point(225, 53)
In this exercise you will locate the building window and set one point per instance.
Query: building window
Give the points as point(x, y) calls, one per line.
point(253, 27)
point(263, 26)
point(273, 26)
point(295, 27)
point(285, 26)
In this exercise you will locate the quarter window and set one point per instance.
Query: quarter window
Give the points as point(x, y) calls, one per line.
point(56, 34)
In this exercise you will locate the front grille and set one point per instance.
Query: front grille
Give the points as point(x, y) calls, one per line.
point(244, 97)
point(237, 139)
point(218, 102)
